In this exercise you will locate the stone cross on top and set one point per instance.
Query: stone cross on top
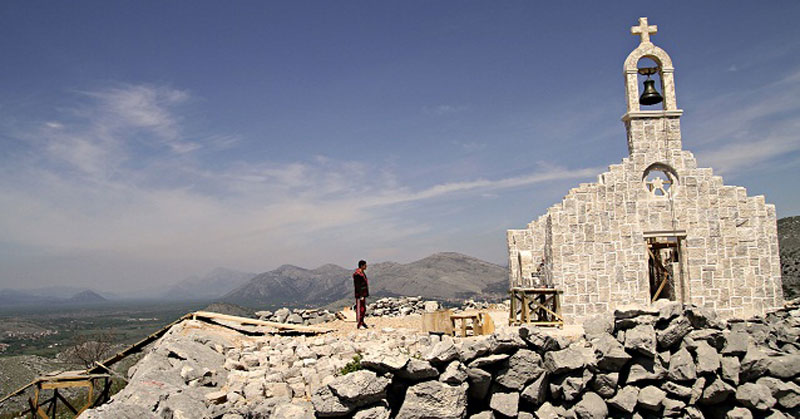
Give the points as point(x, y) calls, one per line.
point(644, 30)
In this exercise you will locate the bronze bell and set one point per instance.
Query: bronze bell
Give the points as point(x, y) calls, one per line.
point(650, 96)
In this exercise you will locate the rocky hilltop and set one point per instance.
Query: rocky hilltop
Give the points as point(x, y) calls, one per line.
point(664, 361)
point(789, 240)
point(445, 276)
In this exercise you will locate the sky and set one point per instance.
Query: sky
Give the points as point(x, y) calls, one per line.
point(142, 142)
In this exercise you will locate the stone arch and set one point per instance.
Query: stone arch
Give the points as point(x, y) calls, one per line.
point(667, 186)
point(665, 72)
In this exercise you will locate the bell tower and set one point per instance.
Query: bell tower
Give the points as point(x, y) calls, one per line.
point(653, 131)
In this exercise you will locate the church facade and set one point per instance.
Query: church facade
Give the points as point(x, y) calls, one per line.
point(654, 226)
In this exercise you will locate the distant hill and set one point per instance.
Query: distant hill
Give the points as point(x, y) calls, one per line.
point(86, 297)
point(231, 309)
point(789, 240)
point(14, 297)
point(444, 276)
point(213, 285)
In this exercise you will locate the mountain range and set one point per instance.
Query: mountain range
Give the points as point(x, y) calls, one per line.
point(443, 276)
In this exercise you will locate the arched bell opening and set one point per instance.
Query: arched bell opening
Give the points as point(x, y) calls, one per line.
point(650, 83)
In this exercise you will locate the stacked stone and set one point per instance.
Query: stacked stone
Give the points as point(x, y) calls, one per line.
point(674, 361)
point(303, 316)
point(484, 305)
point(400, 306)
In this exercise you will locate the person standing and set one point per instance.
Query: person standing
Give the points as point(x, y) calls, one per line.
point(361, 284)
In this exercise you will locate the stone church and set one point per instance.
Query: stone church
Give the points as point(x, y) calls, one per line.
point(654, 226)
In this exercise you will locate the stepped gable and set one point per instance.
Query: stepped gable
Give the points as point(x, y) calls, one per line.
point(603, 243)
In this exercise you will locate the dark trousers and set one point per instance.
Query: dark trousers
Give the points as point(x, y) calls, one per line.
point(361, 311)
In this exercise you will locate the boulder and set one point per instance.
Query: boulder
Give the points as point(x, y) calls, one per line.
point(548, 411)
point(717, 391)
point(380, 411)
point(384, 362)
point(479, 383)
point(672, 407)
point(755, 396)
point(625, 399)
point(641, 339)
point(559, 362)
point(570, 387)
point(360, 388)
point(787, 393)
point(681, 366)
point(605, 385)
point(643, 368)
point(505, 403)
point(417, 369)
point(536, 340)
point(506, 341)
point(677, 390)
point(611, 355)
point(784, 366)
point(433, 399)
point(216, 397)
point(454, 374)
point(736, 343)
point(730, 369)
point(651, 397)
point(754, 364)
point(668, 310)
point(294, 410)
point(598, 325)
point(486, 414)
point(442, 353)
point(708, 360)
point(674, 333)
point(523, 367)
point(536, 392)
point(702, 318)
point(326, 404)
point(591, 406)
point(738, 413)
point(473, 347)
point(294, 318)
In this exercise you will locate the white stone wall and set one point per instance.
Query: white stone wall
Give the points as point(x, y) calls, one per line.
point(597, 246)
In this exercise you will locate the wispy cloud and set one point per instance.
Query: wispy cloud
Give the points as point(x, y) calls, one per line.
point(444, 109)
point(114, 180)
point(748, 127)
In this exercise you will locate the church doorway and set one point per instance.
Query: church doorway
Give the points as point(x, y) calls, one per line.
point(664, 265)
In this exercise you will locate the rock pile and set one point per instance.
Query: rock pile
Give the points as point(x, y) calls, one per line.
point(668, 361)
point(302, 316)
point(400, 306)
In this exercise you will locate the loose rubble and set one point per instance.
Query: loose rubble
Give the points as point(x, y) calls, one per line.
point(660, 361)
point(301, 316)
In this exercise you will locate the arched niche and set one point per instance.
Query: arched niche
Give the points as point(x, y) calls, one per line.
point(660, 180)
point(665, 73)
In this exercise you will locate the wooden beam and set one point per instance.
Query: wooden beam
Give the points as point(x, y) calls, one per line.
point(207, 315)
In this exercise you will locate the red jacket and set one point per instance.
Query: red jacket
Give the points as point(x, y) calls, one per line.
point(361, 283)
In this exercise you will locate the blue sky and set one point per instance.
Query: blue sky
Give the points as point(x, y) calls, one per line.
point(143, 142)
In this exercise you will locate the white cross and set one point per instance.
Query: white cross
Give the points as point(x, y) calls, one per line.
point(644, 30)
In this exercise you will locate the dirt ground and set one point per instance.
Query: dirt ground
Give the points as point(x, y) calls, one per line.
point(414, 323)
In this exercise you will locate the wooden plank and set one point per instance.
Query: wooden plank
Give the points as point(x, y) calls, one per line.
point(487, 324)
point(65, 384)
point(438, 321)
point(207, 315)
